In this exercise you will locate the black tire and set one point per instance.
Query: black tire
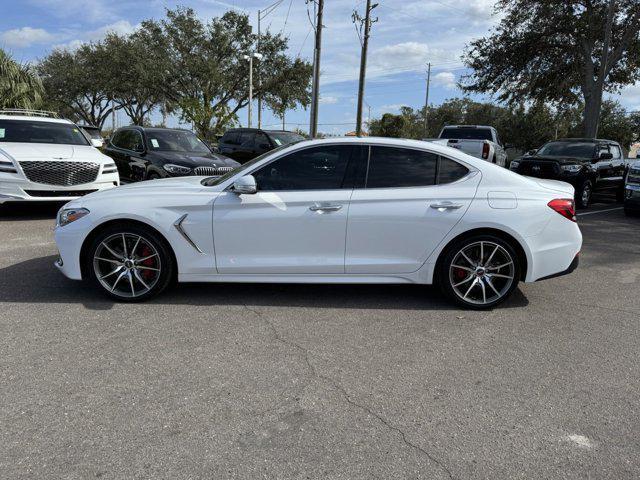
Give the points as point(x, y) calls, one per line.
point(584, 194)
point(620, 194)
point(446, 271)
point(153, 176)
point(631, 213)
point(137, 274)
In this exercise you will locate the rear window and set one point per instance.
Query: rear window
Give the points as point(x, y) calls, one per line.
point(568, 149)
point(24, 131)
point(285, 138)
point(466, 133)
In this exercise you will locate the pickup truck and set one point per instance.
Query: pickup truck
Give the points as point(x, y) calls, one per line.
point(476, 140)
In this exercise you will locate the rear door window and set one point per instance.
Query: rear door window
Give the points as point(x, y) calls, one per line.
point(392, 167)
point(450, 171)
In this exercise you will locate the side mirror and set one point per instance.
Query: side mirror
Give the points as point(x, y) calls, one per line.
point(138, 148)
point(606, 156)
point(246, 185)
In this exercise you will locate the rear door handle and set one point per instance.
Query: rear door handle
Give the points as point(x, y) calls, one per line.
point(446, 206)
point(325, 207)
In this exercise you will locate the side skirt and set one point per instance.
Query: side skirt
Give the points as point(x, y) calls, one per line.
point(296, 278)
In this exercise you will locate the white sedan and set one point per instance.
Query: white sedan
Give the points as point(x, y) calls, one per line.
point(348, 210)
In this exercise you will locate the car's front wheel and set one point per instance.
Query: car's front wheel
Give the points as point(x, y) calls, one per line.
point(584, 194)
point(129, 262)
point(479, 271)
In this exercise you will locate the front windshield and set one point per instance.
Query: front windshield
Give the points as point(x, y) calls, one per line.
point(175, 141)
point(212, 181)
point(25, 131)
point(568, 149)
point(285, 138)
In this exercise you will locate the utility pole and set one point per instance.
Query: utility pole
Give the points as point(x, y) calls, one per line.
point(250, 57)
point(426, 103)
point(315, 88)
point(363, 59)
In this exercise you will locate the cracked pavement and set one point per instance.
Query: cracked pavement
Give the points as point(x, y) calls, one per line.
point(317, 381)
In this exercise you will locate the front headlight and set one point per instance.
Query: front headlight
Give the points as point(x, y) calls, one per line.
point(69, 215)
point(177, 169)
point(571, 168)
point(634, 175)
point(515, 164)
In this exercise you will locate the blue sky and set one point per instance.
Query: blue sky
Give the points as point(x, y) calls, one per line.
point(408, 34)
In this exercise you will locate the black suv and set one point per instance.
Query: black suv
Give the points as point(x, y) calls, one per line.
point(147, 153)
point(244, 144)
point(590, 165)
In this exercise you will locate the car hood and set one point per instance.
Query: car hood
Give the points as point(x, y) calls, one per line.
point(560, 160)
point(196, 159)
point(50, 151)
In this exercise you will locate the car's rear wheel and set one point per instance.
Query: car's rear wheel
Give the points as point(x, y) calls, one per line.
point(479, 271)
point(584, 194)
point(129, 263)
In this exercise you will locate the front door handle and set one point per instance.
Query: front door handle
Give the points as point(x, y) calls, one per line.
point(325, 207)
point(446, 206)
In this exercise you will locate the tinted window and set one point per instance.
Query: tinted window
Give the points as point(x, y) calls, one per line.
point(24, 131)
point(246, 139)
point(175, 141)
point(262, 141)
point(603, 149)
point(391, 167)
point(285, 138)
point(230, 138)
point(450, 171)
point(466, 133)
point(118, 139)
point(567, 149)
point(319, 168)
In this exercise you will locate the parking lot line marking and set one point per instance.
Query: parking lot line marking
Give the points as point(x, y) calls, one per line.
point(600, 211)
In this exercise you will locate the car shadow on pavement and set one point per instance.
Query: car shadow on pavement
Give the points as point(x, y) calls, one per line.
point(38, 281)
point(17, 211)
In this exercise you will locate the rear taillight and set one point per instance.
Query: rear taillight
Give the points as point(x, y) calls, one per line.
point(485, 150)
point(565, 207)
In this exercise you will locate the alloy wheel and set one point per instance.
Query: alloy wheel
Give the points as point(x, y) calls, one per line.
point(586, 194)
point(482, 273)
point(127, 265)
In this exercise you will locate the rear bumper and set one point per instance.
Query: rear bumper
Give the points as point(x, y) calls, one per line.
point(569, 270)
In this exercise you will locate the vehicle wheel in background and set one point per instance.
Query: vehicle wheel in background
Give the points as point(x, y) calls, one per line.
point(479, 271)
point(153, 176)
point(584, 194)
point(620, 194)
point(130, 262)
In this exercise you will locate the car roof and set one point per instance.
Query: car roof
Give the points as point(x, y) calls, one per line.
point(258, 130)
point(29, 118)
point(467, 126)
point(153, 129)
point(585, 140)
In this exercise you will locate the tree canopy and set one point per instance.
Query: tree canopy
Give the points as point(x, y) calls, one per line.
point(179, 64)
point(561, 52)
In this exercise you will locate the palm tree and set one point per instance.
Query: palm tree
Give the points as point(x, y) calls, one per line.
point(20, 86)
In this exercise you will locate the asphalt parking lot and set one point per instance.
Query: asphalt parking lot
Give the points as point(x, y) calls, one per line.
point(353, 382)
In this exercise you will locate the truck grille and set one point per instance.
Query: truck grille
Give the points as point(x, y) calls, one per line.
point(60, 173)
point(539, 169)
point(212, 170)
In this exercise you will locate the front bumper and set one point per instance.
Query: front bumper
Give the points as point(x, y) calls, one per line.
point(21, 190)
point(69, 240)
point(632, 197)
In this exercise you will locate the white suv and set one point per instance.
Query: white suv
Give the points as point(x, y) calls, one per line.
point(44, 158)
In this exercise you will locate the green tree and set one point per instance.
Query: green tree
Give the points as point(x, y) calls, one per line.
point(389, 125)
point(130, 79)
point(20, 86)
point(559, 52)
point(78, 83)
point(199, 67)
point(287, 91)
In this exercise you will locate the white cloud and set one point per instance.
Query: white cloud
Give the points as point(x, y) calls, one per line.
point(121, 27)
point(25, 37)
point(328, 99)
point(630, 97)
point(445, 79)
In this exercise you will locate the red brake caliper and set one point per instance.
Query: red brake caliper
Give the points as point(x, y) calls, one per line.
point(459, 273)
point(149, 262)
